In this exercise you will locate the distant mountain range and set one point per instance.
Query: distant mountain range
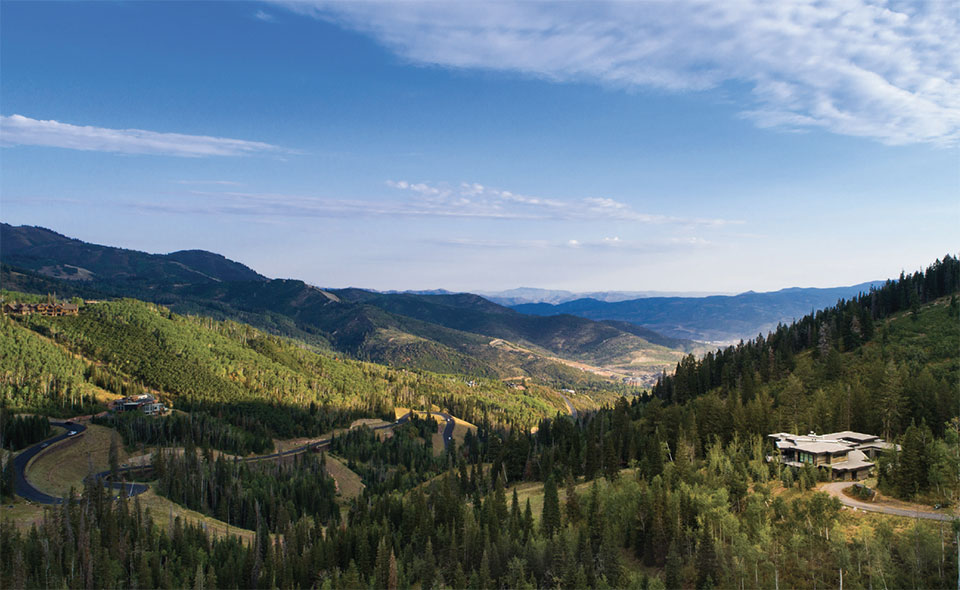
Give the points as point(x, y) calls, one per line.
point(453, 333)
point(521, 295)
point(436, 330)
point(717, 318)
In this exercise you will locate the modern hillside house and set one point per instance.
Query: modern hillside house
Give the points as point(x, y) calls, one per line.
point(145, 403)
point(848, 455)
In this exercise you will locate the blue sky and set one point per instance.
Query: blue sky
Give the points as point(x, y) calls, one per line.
point(632, 146)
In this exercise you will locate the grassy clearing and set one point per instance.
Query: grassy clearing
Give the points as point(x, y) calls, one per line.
point(533, 491)
point(348, 482)
point(164, 511)
point(65, 465)
point(369, 422)
point(21, 514)
point(460, 431)
point(436, 440)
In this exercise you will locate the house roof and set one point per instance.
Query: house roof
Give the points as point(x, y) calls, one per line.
point(855, 460)
point(834, 443)
point(876, 444)
point(823, 446)
point(850, 435)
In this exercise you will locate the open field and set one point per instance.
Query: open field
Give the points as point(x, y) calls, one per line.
point(533, 491)
point(436, 441)
point(369, 422)
point(21, 514)
point(164, 511)
point(348, 482)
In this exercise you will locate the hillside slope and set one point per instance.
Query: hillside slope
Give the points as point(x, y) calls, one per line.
point(128, 346)
point(57, 256)
point(874, 364)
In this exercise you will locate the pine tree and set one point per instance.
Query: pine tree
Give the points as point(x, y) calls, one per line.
point(382, 567)
point(611, 459)
point(890, 403)
point(913, 466)
point(527, 521)
point(707, 562)
point(392, 581)
point(610, 558)
point(429, 567)
point(572, 503)
point(672, 568)
point(351, 579)
point(550, 517)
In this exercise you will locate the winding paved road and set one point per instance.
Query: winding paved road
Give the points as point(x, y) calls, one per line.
point(570, 408)
point(23, 487)
point(835, 489)
point(26, 490)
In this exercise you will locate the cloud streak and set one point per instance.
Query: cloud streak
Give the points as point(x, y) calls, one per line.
point(19, 130)
point(424, 200)
point(881, 69)
point(264, 16)
point(471, 199)
point(669, 244)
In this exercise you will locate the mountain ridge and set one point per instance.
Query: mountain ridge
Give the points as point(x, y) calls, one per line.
point(50, 253)
point(453, 333)
point(696, 318)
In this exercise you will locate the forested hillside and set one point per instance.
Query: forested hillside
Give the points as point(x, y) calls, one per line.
point(128, 346)
point(875, 363)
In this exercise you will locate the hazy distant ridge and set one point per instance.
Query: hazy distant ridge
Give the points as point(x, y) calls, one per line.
point(717, 318)
point(521, 295)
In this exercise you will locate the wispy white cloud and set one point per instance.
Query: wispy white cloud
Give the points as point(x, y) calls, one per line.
point(264, 16)
point(20, 130)
point(470, 199)
point(610, 244)
point(882, 69)
point(416, 200)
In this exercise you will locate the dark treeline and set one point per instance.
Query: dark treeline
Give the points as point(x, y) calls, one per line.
point(752, 369)
point(239, 428)
point(924, 466)
point(17, 432)
point(843, 327)
point(693, 518)
point(263, 495)
point(196, 428)
point(396, 463)
point(281, 420)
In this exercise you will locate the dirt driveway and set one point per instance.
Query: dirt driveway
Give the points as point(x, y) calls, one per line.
point(836, 489)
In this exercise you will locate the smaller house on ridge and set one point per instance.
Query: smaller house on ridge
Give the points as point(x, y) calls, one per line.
point(145, 403)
